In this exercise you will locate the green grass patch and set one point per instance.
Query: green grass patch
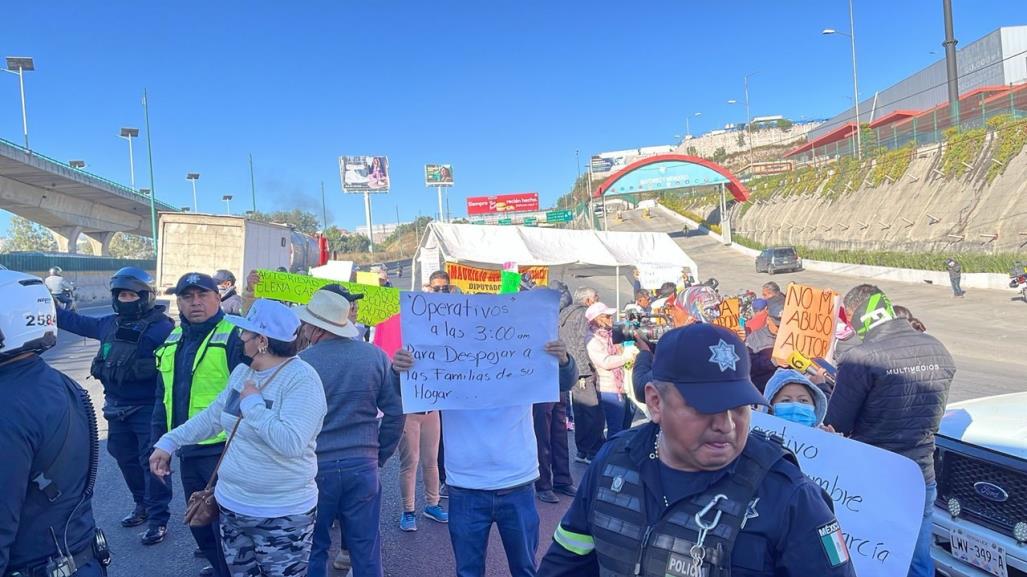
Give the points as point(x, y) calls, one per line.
point(1012, 136)
point(962, 147)
point(891, 165)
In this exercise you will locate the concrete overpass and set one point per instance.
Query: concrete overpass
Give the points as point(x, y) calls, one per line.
point(69, 201)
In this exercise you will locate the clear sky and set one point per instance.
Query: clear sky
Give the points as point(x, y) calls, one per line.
point(505, 91)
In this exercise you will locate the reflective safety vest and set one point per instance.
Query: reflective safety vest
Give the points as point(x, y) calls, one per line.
point(626, 544)
point(210, 372)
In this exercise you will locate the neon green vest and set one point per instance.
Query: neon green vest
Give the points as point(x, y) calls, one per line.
point(210, 371)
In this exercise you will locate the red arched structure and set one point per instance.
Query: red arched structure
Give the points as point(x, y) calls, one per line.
point(738, 190)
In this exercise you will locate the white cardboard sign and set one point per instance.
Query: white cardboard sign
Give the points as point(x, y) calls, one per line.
point(878, 495)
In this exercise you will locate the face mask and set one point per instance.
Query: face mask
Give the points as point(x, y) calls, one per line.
point(222, 290)
point(797, 413)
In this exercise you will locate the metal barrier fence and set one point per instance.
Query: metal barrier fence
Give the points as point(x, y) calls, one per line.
point(35, 262)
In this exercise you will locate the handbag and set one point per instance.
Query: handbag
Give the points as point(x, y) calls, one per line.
point(202, 508)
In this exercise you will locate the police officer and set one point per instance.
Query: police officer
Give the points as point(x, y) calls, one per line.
point(231, 302)
point(693, 493)
point(48, 446)
point(125, 365)
point(194, 364)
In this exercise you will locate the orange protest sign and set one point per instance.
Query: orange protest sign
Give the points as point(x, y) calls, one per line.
point(730, 311)
point(807, 323)
point(473, 280)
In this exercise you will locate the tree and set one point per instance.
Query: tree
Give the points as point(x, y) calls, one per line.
point(409, 228)
point(25, 235)
point(784, 124)
point(692, 151)
point(131, 246)
point(741, 138)
point(302, 220)
point(719, 155)
point(353, 243)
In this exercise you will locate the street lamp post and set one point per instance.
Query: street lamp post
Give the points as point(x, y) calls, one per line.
point(193, 177)
point(79, 164)
point(228, 203)
point(688, 129)
point(855, 78)
point(20, 65)
point(128, 134)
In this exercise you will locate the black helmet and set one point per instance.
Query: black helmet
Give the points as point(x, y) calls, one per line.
point(223, 275)
point(139, 281)
point(56, 271)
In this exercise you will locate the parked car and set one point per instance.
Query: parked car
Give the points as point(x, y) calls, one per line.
point(980, 516)
point(779, 258)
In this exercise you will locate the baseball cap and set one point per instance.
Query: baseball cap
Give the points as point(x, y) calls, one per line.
point(268, 318)
point(597, 310)
point(775, 308)
point(709, 365)
point(329, 310)
point(759, 304)
point(342, 291)
point(195, 279)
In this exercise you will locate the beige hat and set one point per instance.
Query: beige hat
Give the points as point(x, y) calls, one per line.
point(329, 311)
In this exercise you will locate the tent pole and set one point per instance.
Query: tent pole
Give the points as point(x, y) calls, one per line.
point(617, 316)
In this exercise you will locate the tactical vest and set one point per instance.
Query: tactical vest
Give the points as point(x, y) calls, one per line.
point(118, 359)
point(625, 544)
point(210, 372)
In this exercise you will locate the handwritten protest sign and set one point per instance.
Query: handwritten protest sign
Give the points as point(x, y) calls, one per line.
point(478, 351)
point(807, 323)
point(879, 514)
point(378, 304)
point(653, 276)
point(730, 312)
point(474, 280)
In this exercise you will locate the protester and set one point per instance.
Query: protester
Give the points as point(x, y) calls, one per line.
point(637, 505)
point(955, 276)
point(588, 415)
point(760, 345)
point(891, 392)
point(904, 313)
point(126, 367)
point(383, 276)
point(439, 282)
point(195, 362)
point(665, 295)
point(794, 397)
point(759, 318)
point(636, 282)
point(609, 359)
point(273, 409)
point(554, 465)
point(358, 382)
point(491, 476)
point(48, 444)
point(642, 305)
point(231, 302)
point(771, 292)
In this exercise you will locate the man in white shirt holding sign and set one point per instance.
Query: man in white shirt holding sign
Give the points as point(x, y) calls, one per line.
point(491, 468)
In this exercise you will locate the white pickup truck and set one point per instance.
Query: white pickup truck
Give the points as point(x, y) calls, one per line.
point(980, 516)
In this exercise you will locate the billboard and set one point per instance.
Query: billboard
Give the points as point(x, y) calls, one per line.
point(364, 173)
point(519, 202)
point(438, 175)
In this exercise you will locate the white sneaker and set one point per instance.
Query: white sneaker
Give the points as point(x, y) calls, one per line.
point(342, 561)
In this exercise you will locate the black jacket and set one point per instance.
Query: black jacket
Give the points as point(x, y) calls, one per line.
point(891, 392)
point(574, 333)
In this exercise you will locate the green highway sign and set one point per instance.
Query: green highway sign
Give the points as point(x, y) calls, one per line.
point(477, 222)
point(558, 216)
point(531, 221)
point(506, 221)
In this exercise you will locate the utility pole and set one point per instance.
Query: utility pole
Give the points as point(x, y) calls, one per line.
point(950, 62)
point(153, 187)
point(324, 207)
point(253, 187)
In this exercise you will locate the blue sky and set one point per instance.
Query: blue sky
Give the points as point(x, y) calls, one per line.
point(505, 91)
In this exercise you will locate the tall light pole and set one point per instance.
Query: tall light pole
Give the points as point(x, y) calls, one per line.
point(79, 164)
point(855, 77)
point(228, 203)
point(20, 65)
point(688, 129)
point(193, 177)
point(153, 187)
point(128, 134)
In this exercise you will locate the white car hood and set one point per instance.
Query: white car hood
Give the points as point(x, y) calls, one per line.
point(996, 423)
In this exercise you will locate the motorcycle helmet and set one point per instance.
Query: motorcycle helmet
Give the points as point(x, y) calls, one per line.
point(56, 271)
point(138, 281)
point(28, 319)
point(701, 302)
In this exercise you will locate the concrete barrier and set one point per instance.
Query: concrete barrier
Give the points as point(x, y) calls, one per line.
point(992, 281)
point(92, 288)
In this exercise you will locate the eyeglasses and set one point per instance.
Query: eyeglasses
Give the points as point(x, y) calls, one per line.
point(440, 288)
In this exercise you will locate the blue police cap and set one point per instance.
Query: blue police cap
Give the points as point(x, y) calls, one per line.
point(709, 365)
point(195, 279)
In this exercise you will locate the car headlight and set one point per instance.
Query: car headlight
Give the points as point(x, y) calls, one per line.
point(954, 507)
point(1020, 532)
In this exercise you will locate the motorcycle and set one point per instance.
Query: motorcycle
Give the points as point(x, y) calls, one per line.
point(1019, 282)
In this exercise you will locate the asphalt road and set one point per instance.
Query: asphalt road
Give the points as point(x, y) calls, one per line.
point(985, 332)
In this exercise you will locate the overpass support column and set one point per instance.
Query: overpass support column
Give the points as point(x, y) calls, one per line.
point(67, 238)
point(101, 242)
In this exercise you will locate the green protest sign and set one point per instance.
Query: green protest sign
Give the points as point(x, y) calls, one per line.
point(378, 304)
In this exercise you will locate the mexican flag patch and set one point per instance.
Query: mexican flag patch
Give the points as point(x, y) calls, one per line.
point(833, 542)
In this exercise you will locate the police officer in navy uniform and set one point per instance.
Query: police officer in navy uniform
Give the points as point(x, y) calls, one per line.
point(126, 366)
point(48, 446)
point(694, 493)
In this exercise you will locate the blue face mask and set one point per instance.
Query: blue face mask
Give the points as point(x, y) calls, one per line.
point(797, 413)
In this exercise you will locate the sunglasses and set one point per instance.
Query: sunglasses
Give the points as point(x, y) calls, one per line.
point(440, 289)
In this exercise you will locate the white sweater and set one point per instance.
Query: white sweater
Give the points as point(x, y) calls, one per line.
point(269, 469)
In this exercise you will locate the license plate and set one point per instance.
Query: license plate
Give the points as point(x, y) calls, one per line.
point(979, 552)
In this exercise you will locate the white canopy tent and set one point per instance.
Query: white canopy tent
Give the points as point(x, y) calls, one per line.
point(491, 246)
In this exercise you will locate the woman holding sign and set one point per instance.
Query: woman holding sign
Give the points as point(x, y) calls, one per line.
point(609, 360)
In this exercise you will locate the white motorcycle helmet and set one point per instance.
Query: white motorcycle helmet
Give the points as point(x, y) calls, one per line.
point(28, 319)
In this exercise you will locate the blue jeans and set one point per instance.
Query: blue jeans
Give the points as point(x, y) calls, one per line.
point(348, 490)
point(471, 515)
point(922, 564)
point(615, 407)
point(128, 441)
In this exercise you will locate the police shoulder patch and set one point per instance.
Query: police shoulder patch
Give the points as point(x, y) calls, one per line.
point(833, 543)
